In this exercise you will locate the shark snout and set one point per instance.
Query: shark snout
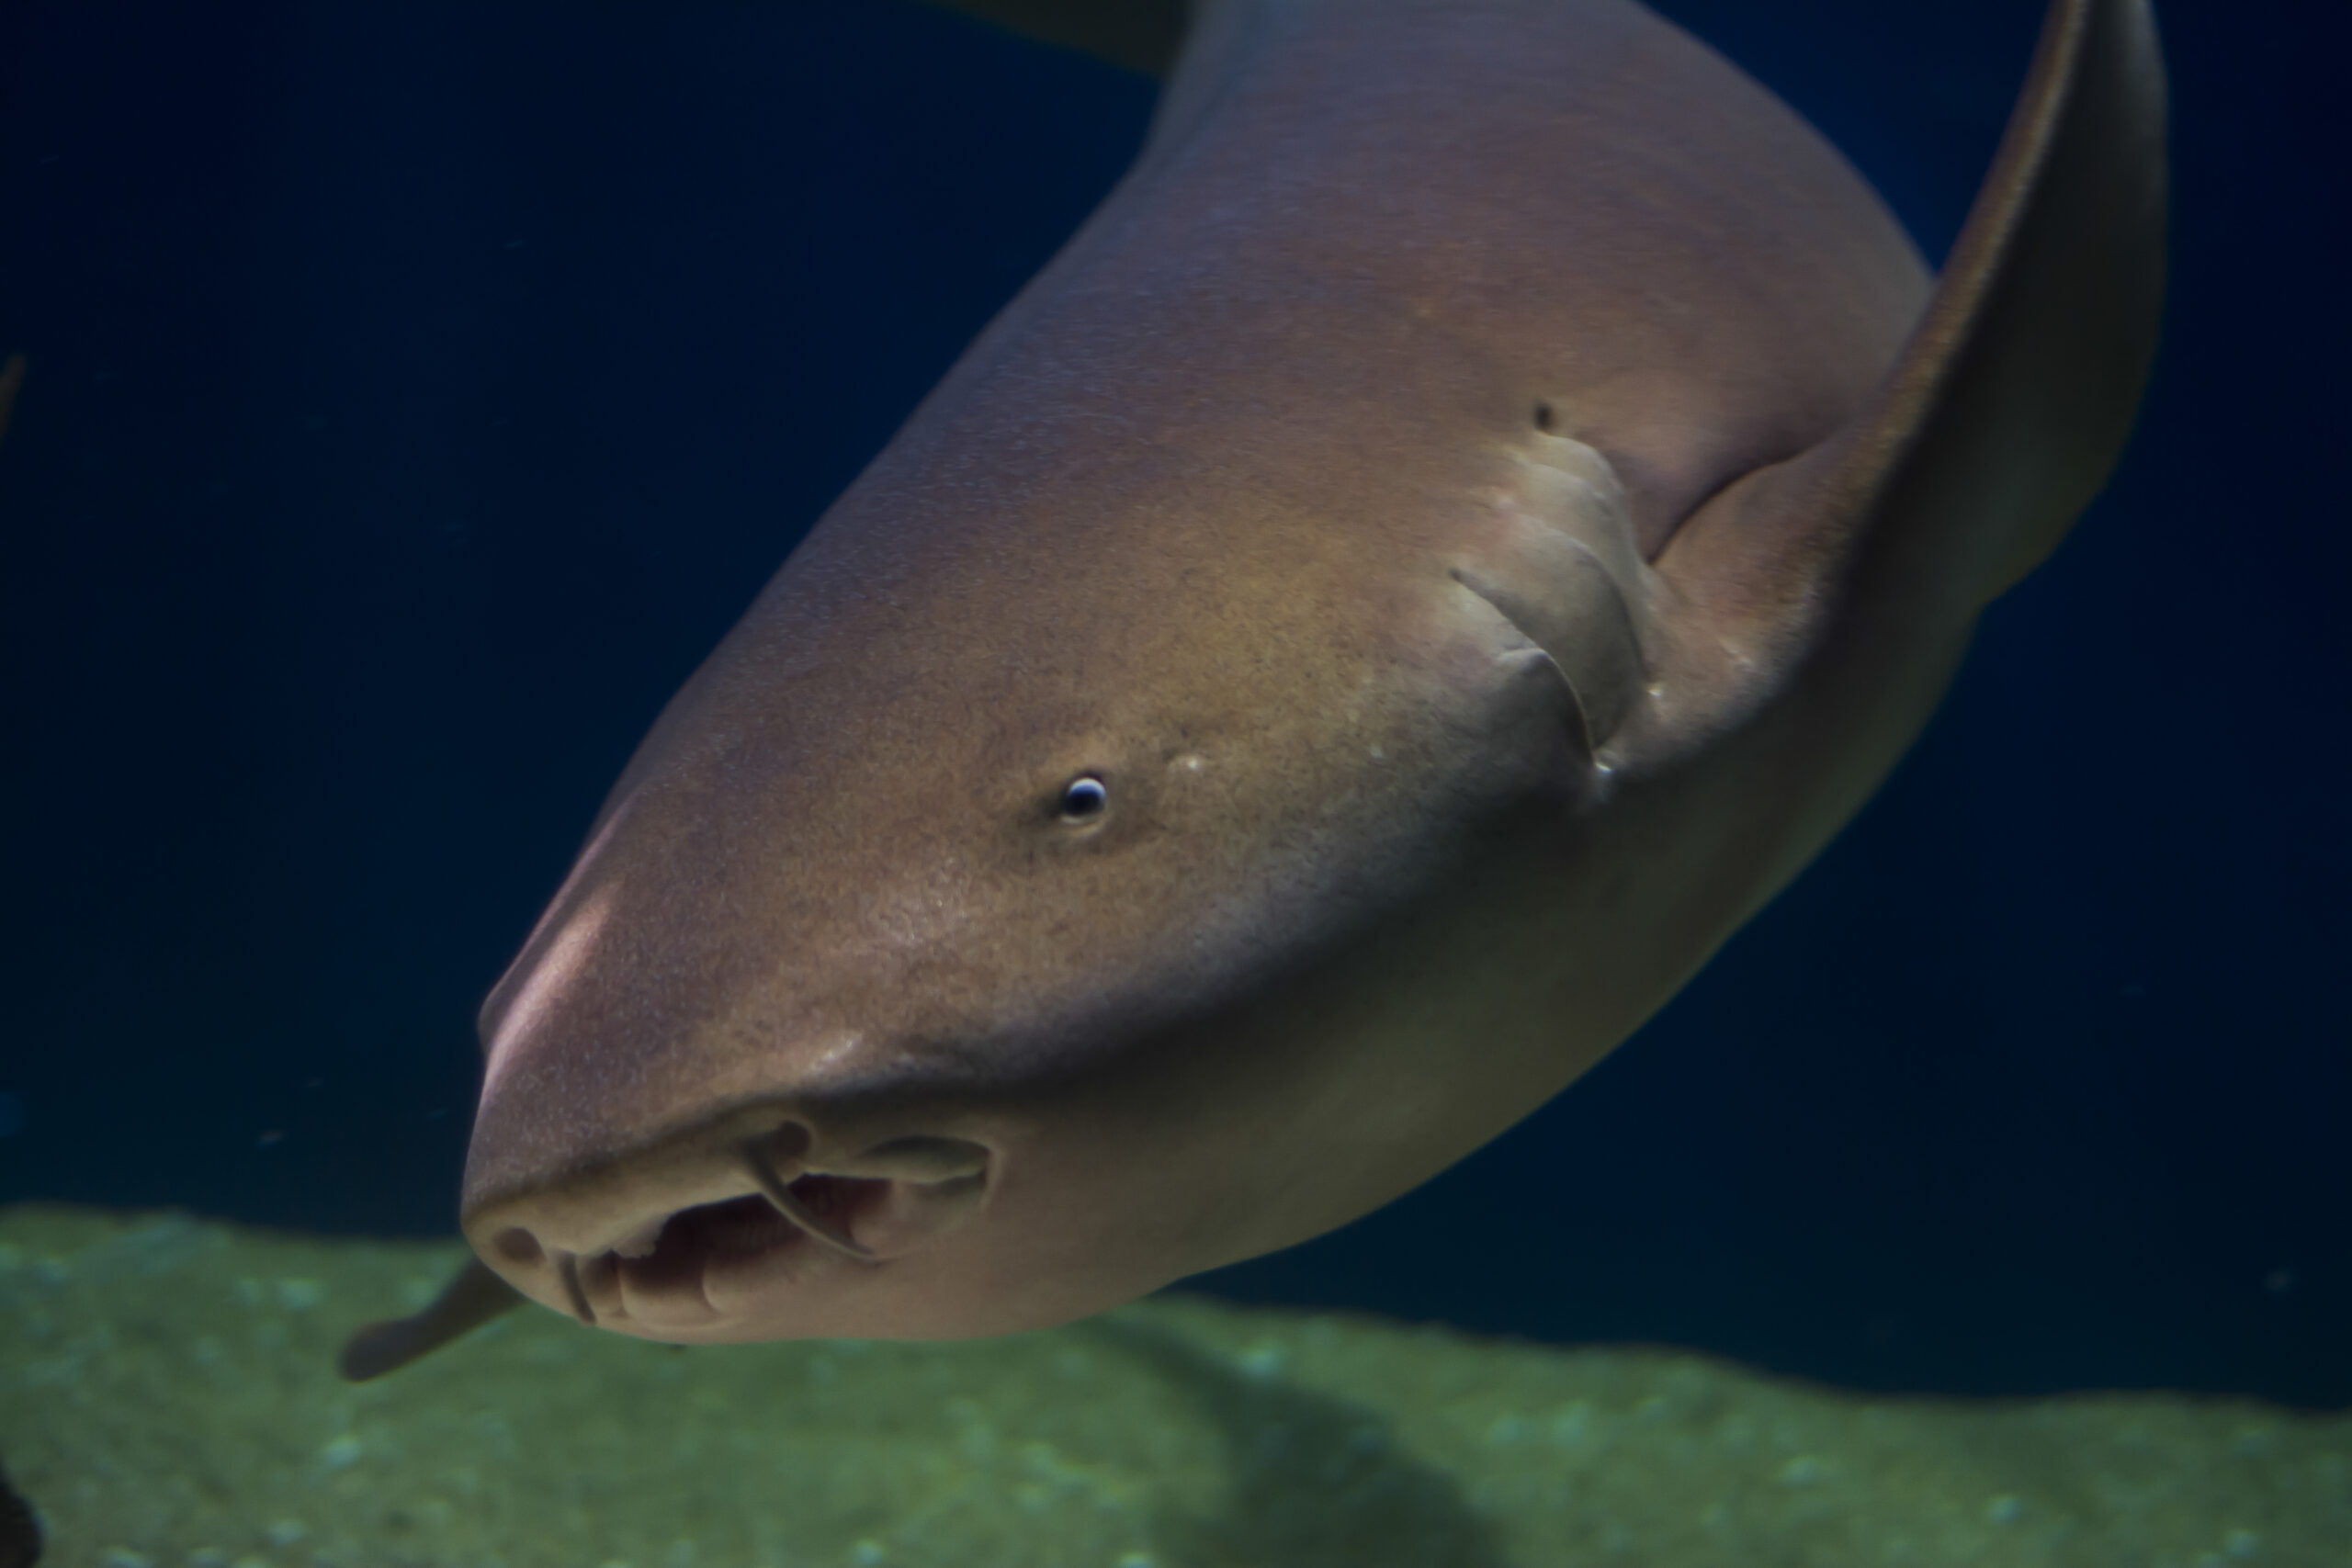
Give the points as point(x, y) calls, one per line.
point(708, 1230)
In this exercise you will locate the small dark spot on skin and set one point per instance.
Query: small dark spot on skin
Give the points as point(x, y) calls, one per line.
point(1543, 418)
point(518, 1246)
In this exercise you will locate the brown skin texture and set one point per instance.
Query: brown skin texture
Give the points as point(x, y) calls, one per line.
point(1403, 295)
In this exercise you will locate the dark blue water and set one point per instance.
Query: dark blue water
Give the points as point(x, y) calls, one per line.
point(419, 391)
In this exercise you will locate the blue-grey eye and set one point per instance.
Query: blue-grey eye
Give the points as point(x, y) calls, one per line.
point(1083, 799)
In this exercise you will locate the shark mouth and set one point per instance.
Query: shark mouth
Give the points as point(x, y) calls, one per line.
point(671, 1271)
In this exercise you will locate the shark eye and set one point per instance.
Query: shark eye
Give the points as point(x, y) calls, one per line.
point(1084, 798)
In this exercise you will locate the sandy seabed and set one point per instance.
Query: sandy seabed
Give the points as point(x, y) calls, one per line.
point(167, 1400)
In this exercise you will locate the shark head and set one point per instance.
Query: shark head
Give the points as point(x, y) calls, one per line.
point(974, 945)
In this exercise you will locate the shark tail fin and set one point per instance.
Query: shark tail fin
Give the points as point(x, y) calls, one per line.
point(470, 1299)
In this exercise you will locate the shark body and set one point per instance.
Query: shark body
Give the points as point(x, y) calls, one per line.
point(1484, 501)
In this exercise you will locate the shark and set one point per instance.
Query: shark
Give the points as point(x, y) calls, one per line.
point(1481, 503)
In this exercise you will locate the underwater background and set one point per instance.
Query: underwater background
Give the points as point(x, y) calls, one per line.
point(417, 391)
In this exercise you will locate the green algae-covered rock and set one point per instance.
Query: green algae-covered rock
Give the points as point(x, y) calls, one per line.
point(167, 1398)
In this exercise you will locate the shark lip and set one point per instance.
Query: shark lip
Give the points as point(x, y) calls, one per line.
point(707, 1253)
point(688, 1242)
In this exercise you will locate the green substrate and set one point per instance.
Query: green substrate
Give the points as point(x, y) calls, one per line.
point(167, 1400)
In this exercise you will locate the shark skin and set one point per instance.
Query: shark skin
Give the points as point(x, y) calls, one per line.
point(1479, 506)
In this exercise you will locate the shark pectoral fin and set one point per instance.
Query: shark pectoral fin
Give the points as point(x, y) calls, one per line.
point(2008, 407)
point(470, 1299)
point(1141, 35)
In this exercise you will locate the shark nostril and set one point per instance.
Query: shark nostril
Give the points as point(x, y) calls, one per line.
point(789, 1195)
point(788, 1145)
point(924, 1160)
point(643, 1241)
point(517, 1246)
